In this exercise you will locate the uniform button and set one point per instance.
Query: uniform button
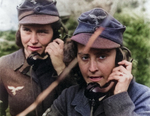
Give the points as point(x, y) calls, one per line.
point(38, 9)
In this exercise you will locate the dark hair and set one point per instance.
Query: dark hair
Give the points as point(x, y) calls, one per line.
point(70, 52)
point(55, 26)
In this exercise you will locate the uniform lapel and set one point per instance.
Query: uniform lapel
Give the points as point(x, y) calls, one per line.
point(81, 103)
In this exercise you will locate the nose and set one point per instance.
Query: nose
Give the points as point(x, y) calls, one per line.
point(34, 38)
point(93, 66)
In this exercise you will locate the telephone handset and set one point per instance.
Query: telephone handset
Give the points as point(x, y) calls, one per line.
point(94, 90)
point(36, 57)
point(123, 53)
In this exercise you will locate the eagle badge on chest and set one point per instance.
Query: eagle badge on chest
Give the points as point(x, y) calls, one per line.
point(15, 89)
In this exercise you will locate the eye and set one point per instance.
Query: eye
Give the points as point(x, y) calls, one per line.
point(102, 57)
point(84, 57)
point(26, 29)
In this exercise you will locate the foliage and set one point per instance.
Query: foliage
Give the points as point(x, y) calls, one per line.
point(7, 44)
point(71, 24)
point(137, 39)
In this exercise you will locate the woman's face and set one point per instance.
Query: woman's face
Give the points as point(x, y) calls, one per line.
point(35, 38)
point(97, 64)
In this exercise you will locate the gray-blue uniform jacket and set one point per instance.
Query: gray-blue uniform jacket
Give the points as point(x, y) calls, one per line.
point(72, 102)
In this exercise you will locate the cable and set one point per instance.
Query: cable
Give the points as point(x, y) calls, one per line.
point(92, 107)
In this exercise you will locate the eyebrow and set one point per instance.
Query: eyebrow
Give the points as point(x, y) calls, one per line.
point(103, 51)
point(42, 30)
point(39, 29)
point(80, 53)
point(98, 52)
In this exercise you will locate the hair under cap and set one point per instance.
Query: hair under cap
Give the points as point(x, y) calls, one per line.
point(37, 12)
point(112, 35)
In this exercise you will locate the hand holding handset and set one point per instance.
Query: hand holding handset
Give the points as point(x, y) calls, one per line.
point(36, 57)
point(94, 90)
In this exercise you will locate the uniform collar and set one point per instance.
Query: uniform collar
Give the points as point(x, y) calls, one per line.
point(20, 62)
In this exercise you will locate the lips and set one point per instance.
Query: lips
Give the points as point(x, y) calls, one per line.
point(34, 48)
point(95, 78)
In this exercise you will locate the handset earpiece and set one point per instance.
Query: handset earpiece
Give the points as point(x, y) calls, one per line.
point(36, 57)
point(63, 32)
point(123, 53)
point(126, 53)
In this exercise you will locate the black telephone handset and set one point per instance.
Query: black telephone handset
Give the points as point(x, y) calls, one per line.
point(94, 90)
point(36, 57)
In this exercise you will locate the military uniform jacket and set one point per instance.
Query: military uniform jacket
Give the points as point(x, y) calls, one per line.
point(20, 85)
point(72, 102)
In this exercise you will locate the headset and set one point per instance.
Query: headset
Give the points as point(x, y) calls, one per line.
point(35, 58)
point(61, 32)
point(94, 90)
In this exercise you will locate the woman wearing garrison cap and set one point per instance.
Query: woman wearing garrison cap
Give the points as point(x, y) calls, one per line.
point(25, 73)
point(106, 85)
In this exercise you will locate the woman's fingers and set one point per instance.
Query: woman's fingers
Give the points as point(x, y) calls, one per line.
point(122, 74)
